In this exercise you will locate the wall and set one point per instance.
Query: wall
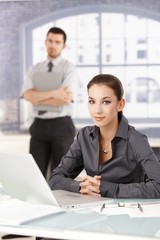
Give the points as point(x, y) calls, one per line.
point(15, 13)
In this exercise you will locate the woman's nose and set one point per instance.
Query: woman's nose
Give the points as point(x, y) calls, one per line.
point(98, 108)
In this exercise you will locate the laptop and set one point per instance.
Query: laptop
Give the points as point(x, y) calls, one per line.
point(23, 191)
point(45, 81)
point(21, 178)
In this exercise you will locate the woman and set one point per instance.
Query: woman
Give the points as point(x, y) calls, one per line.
point(118, 159)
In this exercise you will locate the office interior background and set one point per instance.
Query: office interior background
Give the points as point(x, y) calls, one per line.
point(120, 37)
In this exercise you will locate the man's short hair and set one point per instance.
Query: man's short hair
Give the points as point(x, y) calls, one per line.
point(57, 30)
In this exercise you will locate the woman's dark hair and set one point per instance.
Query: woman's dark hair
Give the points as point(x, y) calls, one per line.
point(109, 81)
point(57, 30)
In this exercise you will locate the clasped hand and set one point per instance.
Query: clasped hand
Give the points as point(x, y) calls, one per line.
point(90, 185)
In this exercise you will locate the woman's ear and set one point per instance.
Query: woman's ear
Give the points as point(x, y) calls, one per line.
point(121, 104)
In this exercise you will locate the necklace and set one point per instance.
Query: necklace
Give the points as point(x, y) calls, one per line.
point(105, 151)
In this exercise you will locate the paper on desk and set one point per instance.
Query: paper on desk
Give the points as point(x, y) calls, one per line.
point(15, 212)
point(149, 210)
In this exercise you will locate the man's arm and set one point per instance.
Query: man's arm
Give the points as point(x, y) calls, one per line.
point(58, 97)
point(54, 102)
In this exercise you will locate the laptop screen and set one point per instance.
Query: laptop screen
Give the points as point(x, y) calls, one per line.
point(21, 178)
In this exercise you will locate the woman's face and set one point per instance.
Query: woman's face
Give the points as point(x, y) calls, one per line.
point(103, 105)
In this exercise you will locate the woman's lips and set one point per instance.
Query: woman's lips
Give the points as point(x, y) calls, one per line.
point(99, 118)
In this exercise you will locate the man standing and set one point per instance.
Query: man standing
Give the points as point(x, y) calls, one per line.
point(52, 130)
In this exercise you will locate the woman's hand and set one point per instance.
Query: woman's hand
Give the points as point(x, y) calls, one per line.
point(90, 185)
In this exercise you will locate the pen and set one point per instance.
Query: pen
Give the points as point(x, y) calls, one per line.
point(140, 207)
point(103, 206)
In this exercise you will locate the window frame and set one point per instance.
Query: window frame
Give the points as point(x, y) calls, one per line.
point(26, 45)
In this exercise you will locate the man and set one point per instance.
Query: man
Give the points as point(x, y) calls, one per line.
point(52, 130)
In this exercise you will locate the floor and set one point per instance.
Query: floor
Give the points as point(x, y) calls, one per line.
point(14, 143)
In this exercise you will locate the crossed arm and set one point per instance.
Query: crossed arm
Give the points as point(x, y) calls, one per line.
point(56, 97)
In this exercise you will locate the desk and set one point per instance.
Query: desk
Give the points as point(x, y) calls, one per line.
point(154, 142)
point(88, 225)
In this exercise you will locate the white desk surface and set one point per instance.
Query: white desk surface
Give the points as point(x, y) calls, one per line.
point(154, 142)
point(88, 225)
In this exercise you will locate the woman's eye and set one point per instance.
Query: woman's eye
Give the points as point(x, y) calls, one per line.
point(90, 101)
point(106, 102)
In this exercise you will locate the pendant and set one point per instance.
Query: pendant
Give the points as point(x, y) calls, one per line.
point(105, 151)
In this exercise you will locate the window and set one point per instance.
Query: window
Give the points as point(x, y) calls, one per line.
point(130, 51)
point(141, 54)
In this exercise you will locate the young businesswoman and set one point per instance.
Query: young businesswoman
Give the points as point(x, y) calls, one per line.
point(118, 159)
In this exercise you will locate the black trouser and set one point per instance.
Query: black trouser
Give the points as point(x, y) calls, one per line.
point(50, 140)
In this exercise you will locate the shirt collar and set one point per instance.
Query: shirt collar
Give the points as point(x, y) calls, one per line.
point(94, 131)
point(122, 130)
point(55, 61)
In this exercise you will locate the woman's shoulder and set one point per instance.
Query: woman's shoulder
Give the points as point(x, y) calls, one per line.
point(135, 135)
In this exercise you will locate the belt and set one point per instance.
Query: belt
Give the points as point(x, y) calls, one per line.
point(41, 112)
